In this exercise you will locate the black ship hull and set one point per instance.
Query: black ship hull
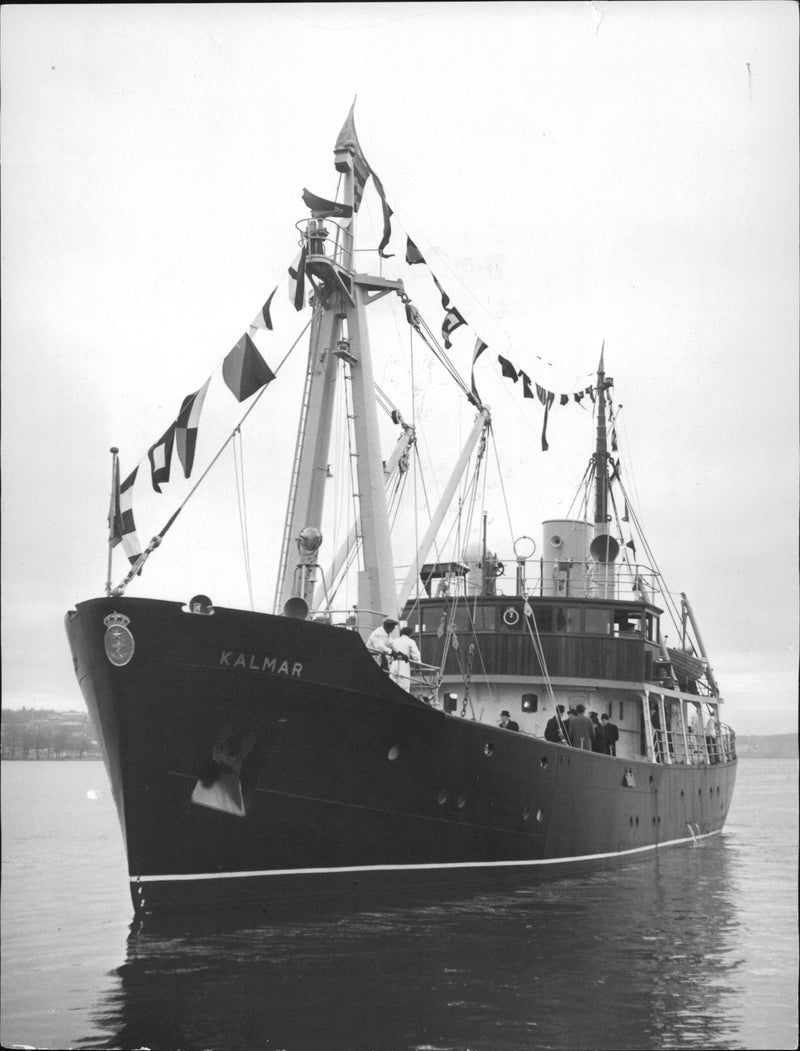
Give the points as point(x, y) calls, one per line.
point(257, 759)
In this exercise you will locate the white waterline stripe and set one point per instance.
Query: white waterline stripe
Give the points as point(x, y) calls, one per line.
point(412, 868)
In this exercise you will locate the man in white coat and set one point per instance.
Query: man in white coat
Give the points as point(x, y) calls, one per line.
point(381, 644)
point(405, 651)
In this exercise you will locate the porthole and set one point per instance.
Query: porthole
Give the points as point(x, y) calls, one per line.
point(637, 822)
point(539, 815)
point(700, 791)
point(681, 793)
point(461, 802)
point(631, 822)
point(717, 789)
point(526, 813)
point(654, 820)
point(488, 748)
point(393, 753)
point(543, 762)
point(441, 799)
point(651, 779)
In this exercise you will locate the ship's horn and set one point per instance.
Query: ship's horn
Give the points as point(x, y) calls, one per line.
point(604, 548)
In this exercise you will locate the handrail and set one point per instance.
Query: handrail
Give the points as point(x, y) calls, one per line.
point(669, 747)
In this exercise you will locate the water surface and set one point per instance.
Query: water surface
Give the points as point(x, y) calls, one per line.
point(696, 947)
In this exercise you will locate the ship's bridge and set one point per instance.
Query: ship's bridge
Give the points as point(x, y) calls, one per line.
point(580, 638)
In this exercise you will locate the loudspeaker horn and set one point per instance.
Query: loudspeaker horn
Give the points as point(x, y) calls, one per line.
point(296, 608)
point(604, 548)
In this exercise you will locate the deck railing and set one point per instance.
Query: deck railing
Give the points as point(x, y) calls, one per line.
point(670, 746)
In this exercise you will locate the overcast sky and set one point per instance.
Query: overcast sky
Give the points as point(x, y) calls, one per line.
point(575, 173)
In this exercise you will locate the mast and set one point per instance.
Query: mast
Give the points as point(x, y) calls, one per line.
point(340, 341)
point(603, 548)
point(601, 454)
point(311, 454)
point(401, 449)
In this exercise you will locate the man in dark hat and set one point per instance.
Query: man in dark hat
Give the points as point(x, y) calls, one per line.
point(379, 643)
point(506, 722)
point(581, 731)
point(612, 735)
point(599, 739)
point(554, 731)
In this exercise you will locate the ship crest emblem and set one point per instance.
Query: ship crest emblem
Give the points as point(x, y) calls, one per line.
point(118, 640)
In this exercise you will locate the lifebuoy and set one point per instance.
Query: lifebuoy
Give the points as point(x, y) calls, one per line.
point(510, 616)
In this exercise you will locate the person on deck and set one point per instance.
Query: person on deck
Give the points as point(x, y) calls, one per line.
point(599, 740)
point(612, 735)
point(506, 722)
point(404, 651)
point(658, 743)
point(711, 740)
point(581, 730)
point(571, 713)
point(380, 643)
point(554, 731)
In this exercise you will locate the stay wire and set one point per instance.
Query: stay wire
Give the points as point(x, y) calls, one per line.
point(502, 484)
point(157, 539)
point(241, 501)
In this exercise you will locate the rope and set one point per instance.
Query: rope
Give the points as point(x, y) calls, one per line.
point(533, 632)
point(156, 541)
point(414, 483)
point(502, 484)
point(241, 502)
point(427, 336)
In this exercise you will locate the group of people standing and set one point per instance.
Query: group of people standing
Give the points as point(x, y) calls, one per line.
point(394, 653)
point(582, 730)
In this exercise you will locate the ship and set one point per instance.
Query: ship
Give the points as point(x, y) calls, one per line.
point(478, 716)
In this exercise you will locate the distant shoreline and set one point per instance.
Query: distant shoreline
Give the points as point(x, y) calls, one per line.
point(63, 759)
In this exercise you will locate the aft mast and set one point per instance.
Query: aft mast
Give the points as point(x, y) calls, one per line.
point(340, 340)
point(604, 548)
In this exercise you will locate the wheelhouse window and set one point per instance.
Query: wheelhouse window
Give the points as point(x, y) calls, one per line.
point(467, 616)
point(652, 628)
point(473, 617)
point(597, 622)
point(627, 623)
point(426, 618)
point(543, 617)
point(568, 618)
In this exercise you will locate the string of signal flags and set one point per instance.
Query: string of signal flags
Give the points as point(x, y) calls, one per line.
point(245, 372)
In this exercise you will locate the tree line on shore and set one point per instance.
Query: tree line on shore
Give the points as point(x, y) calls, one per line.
point(37, 733)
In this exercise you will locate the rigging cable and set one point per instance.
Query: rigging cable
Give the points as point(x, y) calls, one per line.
point(502, 484)
point(400, 216)
point(241, 500)
point(538, 649)
point(414, 482)
point(156, 541)
point(351, 458)
point(668, 599)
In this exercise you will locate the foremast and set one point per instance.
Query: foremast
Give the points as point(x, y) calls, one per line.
point(339, 334)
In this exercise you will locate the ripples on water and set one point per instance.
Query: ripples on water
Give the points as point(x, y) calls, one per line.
point(694, 948)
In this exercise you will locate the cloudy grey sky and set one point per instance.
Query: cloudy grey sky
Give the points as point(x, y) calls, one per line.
point(578, 173)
